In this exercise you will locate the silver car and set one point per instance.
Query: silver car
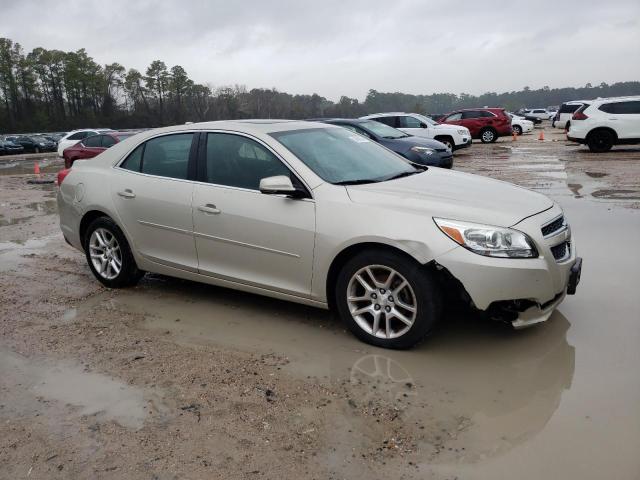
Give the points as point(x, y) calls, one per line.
point(317, 214)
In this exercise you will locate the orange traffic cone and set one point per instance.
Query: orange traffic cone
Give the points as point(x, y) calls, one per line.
point(515, 137)
point(541, 136)
point(36, 169)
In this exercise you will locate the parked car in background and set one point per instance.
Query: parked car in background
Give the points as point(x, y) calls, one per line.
point(562, 118)
point(487, 124)
point(539, 113)
point(75, 136)
point(315, 214)
point(34, 143)
point(605, 122)
point(92, 146)
point(520, 125)
point(418, 150)
point(453, 136)
point(7, 147)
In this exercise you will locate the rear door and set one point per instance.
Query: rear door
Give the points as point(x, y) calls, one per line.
point(91, 146)
point(243, 235)
point(624, 117)
point(473, 120)
point(152, 191)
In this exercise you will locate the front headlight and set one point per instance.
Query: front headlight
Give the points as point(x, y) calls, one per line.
point(463, 132)
point(423, 150)
point(488, 240)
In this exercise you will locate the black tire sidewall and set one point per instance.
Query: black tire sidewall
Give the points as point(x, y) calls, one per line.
point(596, 137)
point(129, 273)
point(517, 129)
point(425, 288)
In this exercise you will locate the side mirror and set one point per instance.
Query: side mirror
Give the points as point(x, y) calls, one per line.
point(280, 185)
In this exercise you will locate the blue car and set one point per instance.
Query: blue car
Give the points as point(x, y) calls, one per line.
point(418, 150)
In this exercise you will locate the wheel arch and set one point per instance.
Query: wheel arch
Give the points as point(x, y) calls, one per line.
point(352, 250)
point(446, 137)
point(602, 129)
point(89, 217)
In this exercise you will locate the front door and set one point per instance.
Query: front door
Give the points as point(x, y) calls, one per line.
point(152, 195)
point(243, 235)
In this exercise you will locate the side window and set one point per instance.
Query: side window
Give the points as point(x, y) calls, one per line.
point(77, 136)
point(470, 114)
point(238, 161)
point(107, 141)
point(134, 160)
point(622, 108)
point(391, 121)
point(484, 114)
point(453, 118)
point(410, 122)
point(92, 142)
point(167, 156)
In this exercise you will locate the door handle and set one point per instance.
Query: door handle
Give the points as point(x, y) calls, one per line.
point(127, 193)
point(209, 208)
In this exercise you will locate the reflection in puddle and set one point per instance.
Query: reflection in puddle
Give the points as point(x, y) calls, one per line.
point(25, 383)
point(494, 387)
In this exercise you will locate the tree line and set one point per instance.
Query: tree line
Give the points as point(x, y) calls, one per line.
point(52, 90)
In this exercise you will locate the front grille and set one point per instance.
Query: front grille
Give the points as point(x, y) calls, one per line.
point(561, 251)
point(553, 227)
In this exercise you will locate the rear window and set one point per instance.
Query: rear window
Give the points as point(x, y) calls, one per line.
point(569, 108)
point(391, 121)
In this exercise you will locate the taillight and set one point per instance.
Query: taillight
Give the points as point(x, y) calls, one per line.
point(579, 113)
point(62, 174)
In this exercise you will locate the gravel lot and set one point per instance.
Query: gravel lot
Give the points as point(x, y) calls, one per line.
point(173, 379)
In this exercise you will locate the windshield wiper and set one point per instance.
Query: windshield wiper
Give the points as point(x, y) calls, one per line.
point(360, 181)
point(404, 174)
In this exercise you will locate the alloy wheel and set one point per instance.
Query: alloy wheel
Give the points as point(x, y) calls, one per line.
point(487, 136)
point(381, 301)
point(105, 252)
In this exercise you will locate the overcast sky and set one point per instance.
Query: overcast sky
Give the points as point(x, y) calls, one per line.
point(346, 47)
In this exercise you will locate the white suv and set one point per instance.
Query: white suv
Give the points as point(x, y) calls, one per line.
point(453, 136)
point(605, 122)
point(562, 118)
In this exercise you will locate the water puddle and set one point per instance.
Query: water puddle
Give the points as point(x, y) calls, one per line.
point(29, 386)
point(26, 166)
point(12, 253)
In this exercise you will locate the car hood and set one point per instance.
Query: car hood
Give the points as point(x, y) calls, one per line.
point(448, 126)
point(454, 195)
point(405, 143)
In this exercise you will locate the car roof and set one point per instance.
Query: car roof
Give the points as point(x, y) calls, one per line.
point(256, 126)
point(340, 120)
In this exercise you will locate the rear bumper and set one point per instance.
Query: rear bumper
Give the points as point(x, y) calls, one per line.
point(576, 139)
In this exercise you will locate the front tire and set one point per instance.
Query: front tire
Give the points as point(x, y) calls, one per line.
point(388, 300)
point(109, 255)
point(488, 135)
point(517, 129)
point(600, 141)
point(448, 141)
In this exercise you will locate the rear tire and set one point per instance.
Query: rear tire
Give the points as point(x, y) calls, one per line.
point(398, 304)
point(517, 129)
point(600, 141)
point(109, 255)
point(488, 135)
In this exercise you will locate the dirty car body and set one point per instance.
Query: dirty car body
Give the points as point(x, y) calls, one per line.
point(312, 213)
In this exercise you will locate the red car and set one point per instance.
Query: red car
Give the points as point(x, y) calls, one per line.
point(91, 146)
point(487, 124)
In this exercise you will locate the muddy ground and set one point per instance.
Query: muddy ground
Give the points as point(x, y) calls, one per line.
point(172, 379)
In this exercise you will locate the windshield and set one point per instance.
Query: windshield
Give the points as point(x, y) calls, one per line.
point(425, 119)
point(382, 130)
point(339, 156)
